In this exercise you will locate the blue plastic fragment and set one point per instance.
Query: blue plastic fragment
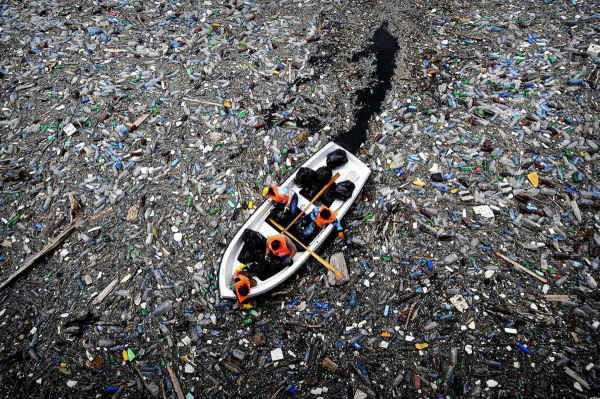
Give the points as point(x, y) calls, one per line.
point(353, 298)
point(361, 368)
point(524, 349)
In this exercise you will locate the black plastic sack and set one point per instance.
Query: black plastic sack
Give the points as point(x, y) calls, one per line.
point(336, 158)
point(437, 177)
point(305, 177)
point(330, 195)
point(252, 237)
point(326, 198)
point(323, 176)
point(255, 246)
point(344, 190)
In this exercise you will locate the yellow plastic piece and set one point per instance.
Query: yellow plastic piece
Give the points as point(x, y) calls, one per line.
point(246, 306)
point(240, 267)
point(386, 334)
point(533, 178)
point(454, 190)
point(250, 204)
point(227, 104)
point(265, 191)
point(419, 183)
point(421, 346)
point(125, 357)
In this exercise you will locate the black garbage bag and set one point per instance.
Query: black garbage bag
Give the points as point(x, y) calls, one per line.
point(344, 190)
point(255, 246)
point(336, 158)
point(311, 192)
point(323, 176)
point(265, 269)
point(329, 195)
point(305, 177)
point(437, 177)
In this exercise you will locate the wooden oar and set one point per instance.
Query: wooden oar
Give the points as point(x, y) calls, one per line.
point(316, 197)
point(310, 251)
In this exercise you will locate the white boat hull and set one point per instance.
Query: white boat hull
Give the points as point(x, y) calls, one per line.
point(354, 170)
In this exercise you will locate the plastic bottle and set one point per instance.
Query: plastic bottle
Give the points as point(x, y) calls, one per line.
point(163, 307)
point(448, 260)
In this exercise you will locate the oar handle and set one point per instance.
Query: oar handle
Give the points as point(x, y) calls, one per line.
point(316, 197)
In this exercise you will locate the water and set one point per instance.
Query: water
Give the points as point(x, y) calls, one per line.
point(384, 48)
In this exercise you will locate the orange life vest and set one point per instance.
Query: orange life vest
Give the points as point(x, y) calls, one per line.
point(283, 199)
point(240, 280)
point(319, 221)
point(283, 250)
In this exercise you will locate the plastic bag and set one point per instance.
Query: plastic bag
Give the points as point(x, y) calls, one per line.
point(344, 190)
point(336, 158)
point(254, 247)
point(323, 176)
point(305, 177)
point(330, 195)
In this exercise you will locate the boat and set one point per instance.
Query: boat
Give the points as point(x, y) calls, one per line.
point(353, 170)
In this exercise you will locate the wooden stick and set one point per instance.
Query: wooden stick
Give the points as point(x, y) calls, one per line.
point(520, 267)
point(49, 247)
point(107, 290)
point(557, 298)
point(310, 251)
point(137, 370)
point(316, 197)
point(175, 381)
point(162, 388)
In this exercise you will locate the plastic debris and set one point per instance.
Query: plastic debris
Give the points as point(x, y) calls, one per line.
point(277, 354)
point(137, 137)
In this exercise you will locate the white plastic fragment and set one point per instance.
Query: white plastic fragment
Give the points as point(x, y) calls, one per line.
point(492, 383)
point(276, 354)
point(483, 210)
point(189, 369)
point(69, 129)
point(459, 303)
point(360, 394)
point(593, 50)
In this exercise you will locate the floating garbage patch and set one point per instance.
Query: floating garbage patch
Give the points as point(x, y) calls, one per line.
point(137, 138)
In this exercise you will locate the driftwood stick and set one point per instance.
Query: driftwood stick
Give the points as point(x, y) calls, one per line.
point(55, 242)
point(137, 370)
point(520, 267)
point(175, 381)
